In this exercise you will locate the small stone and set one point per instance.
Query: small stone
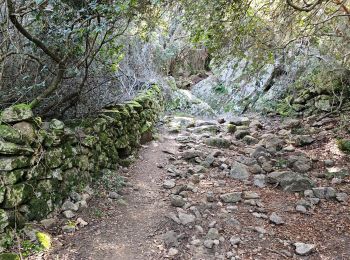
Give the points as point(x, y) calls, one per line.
point(303, 249)
point(170, 239)
point(81, 222)
point(186, 219)
point(210, 196)
point(169, 184)
point(68, 205)
point(47, 223)
point(114, 195)
point(231, 197)
point(68, 214)
point(342, 197)
point(328, 163)
point(173, 252)
point(177, 201)
point(260, 230)
point(275, 219)
point(260, 180)
point(239, 171)
point(75, 196)
point(324, 192)
point(235, 241)
point(213, 234)
point(68, 228)
point(301, 209)
point(248, 195)
point(309, 193)
point(209, 244)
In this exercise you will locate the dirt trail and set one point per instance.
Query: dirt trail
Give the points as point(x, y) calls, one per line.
point(205, 193)
point(127, 232)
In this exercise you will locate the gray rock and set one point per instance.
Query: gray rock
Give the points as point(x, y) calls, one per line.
point(231, 197)
point(47, 223)
point(255, 169)
point(208, 243)
point(213, 234)
point(300, 163)
point(250, 140)
point(191, 153)
point(240, 134)
point(68, 228)
point(218, 142)
point(290, 181)
point(324, 192)
point(260, 180)
point(114, 195)
point(301, 209)
point(169, 184)
point(239, 121)
point(210, 196)
point(68, 205)
point(250, 195)
point(68, 214)
point(302, 140)
point(342, 197)
point(290, 123)
point(275, 219)
point(304, 249)
point(239, 171)
point(16, 113)
point(235, 241)
point(170, 239)
point(329, 163)
point(186, 219)
point(173, 252)
point(177, 201)
point(260, 151)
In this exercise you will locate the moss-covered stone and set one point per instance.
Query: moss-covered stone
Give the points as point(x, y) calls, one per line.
point(12, 163)
point(83, 162)
point(9, 178)
point(56, 125)
point(89, 141)
point(8, 148)
point(17, 194)
point(3, 220)
point(16, 113)
point(218, 142)
point(2, 193)
point(9, 256)
point(231, 128)
point(11, 134)
point(53, 158)
point(26, 130)
point(122, 142)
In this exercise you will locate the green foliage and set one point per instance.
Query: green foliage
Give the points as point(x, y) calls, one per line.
point(220, 89)
point(344, 145)
point(30, 248)
point(44, 239)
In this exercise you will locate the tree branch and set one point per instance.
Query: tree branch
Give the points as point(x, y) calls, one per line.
point(25, 33)
point(306, 8)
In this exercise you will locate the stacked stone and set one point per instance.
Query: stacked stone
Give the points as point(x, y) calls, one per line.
point(42, 162)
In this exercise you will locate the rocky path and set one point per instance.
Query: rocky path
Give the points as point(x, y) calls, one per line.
point(206, 190)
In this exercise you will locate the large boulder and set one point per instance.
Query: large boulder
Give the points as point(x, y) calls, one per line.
point(12, 163)
point(16, 113)
point(7, 148)
point(290, 181)
point(239, 171)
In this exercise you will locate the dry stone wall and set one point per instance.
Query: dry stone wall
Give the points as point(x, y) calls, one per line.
point(42, 162)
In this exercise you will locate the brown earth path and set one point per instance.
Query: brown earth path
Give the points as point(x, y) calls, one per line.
point(127, 232)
